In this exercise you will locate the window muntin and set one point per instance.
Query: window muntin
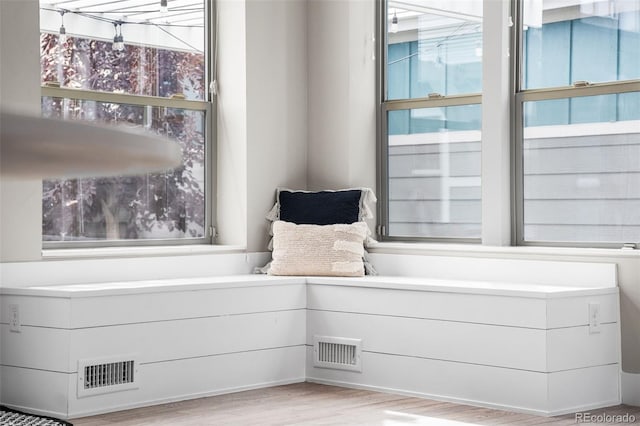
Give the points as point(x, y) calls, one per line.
point(578, 145)
point(157, 83)
point(430, 120)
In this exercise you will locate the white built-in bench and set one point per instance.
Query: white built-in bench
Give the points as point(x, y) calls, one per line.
point(517, 336)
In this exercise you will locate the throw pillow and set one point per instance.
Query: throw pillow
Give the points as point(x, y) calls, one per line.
point(322, 207)
point(324, 250)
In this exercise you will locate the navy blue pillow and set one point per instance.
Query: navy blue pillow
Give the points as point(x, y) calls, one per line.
point(320, 208)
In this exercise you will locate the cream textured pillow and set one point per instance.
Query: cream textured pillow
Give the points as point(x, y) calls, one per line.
point(327, 250)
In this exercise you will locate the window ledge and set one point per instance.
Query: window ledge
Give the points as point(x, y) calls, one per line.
point(471, 249)
point(107, 252)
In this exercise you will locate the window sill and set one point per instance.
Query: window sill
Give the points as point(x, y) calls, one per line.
point(476, 249)
point(110, 252)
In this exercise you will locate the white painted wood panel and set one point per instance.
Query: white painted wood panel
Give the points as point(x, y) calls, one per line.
point(83, 271)
point(36, 347)
point(568, 312)
point(509, 347)
point(490, 288)
point(482, 309)
point(512, 347)
point(578, 274)
point(202, 339)
point(198, 377)
point(190, 338)
point(99, 311)
point(582, 389)
point(59, 350)
point(115, 288)
point(513, 390)
point(35, 391)
point(504, 388)
point(575, 347)
point(45, 311)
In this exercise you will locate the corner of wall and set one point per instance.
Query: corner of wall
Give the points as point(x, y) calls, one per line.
point(342, 111)
point(20, 200)
point(631, 389)
point(276, 107)
point(231, 169)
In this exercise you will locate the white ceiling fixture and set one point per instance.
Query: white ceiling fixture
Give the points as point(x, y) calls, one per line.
point(33, 147)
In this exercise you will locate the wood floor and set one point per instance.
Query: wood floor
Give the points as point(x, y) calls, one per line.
point(314, 404)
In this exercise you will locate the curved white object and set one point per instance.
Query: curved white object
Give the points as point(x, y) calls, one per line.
point(33, 147)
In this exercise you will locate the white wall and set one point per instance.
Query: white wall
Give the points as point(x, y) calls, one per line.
point(231, 194)
point(496, 159)
point(20, 201)
point(276, 107)
point(262, 113)
point(342, 111)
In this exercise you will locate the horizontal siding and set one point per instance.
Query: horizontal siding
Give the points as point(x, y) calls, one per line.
point(588, 159)
point(451, 164)
point(434, 190)
point(465, 211)
point(431, 148)
point(583, 186)
point(429, 187)
point(582, 189)
point(581, 233)
point(582, 212)
point(579, 188)
point(434, 230)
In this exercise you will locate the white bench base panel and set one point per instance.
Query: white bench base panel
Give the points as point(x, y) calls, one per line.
point(520, 348)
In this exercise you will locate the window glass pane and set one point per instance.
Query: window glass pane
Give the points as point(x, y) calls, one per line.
point(131, 47)
point(434, 46)
point(565, 42)
point(434, 172)
point(152, 206)
point(162, 54)
point(582, 176)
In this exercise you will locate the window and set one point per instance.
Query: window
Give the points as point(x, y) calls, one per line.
point(129, 63)
point(578, 118)
point(430, 120)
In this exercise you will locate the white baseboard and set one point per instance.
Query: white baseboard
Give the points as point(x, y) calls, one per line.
point(631, 389)
point(462, 400)
point(181, 398)
point(424, 395)
point(63, 416)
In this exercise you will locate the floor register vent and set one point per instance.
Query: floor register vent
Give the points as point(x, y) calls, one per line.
point(107, 375)
point(337, 352)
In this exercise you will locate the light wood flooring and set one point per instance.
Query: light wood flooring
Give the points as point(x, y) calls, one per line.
point(314, 404)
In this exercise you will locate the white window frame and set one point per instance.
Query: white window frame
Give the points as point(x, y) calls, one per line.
point(521, 96)
point(384, 106)
point(207, 107)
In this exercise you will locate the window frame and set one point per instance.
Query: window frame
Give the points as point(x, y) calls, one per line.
point(383, 106)
point(520, 96)
point(207, 107)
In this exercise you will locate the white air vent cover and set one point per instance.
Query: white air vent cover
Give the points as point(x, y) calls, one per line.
point(337, 353)
point(106, 375)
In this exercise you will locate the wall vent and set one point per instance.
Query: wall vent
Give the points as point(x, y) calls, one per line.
point(106, 375)
point(337, 352)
